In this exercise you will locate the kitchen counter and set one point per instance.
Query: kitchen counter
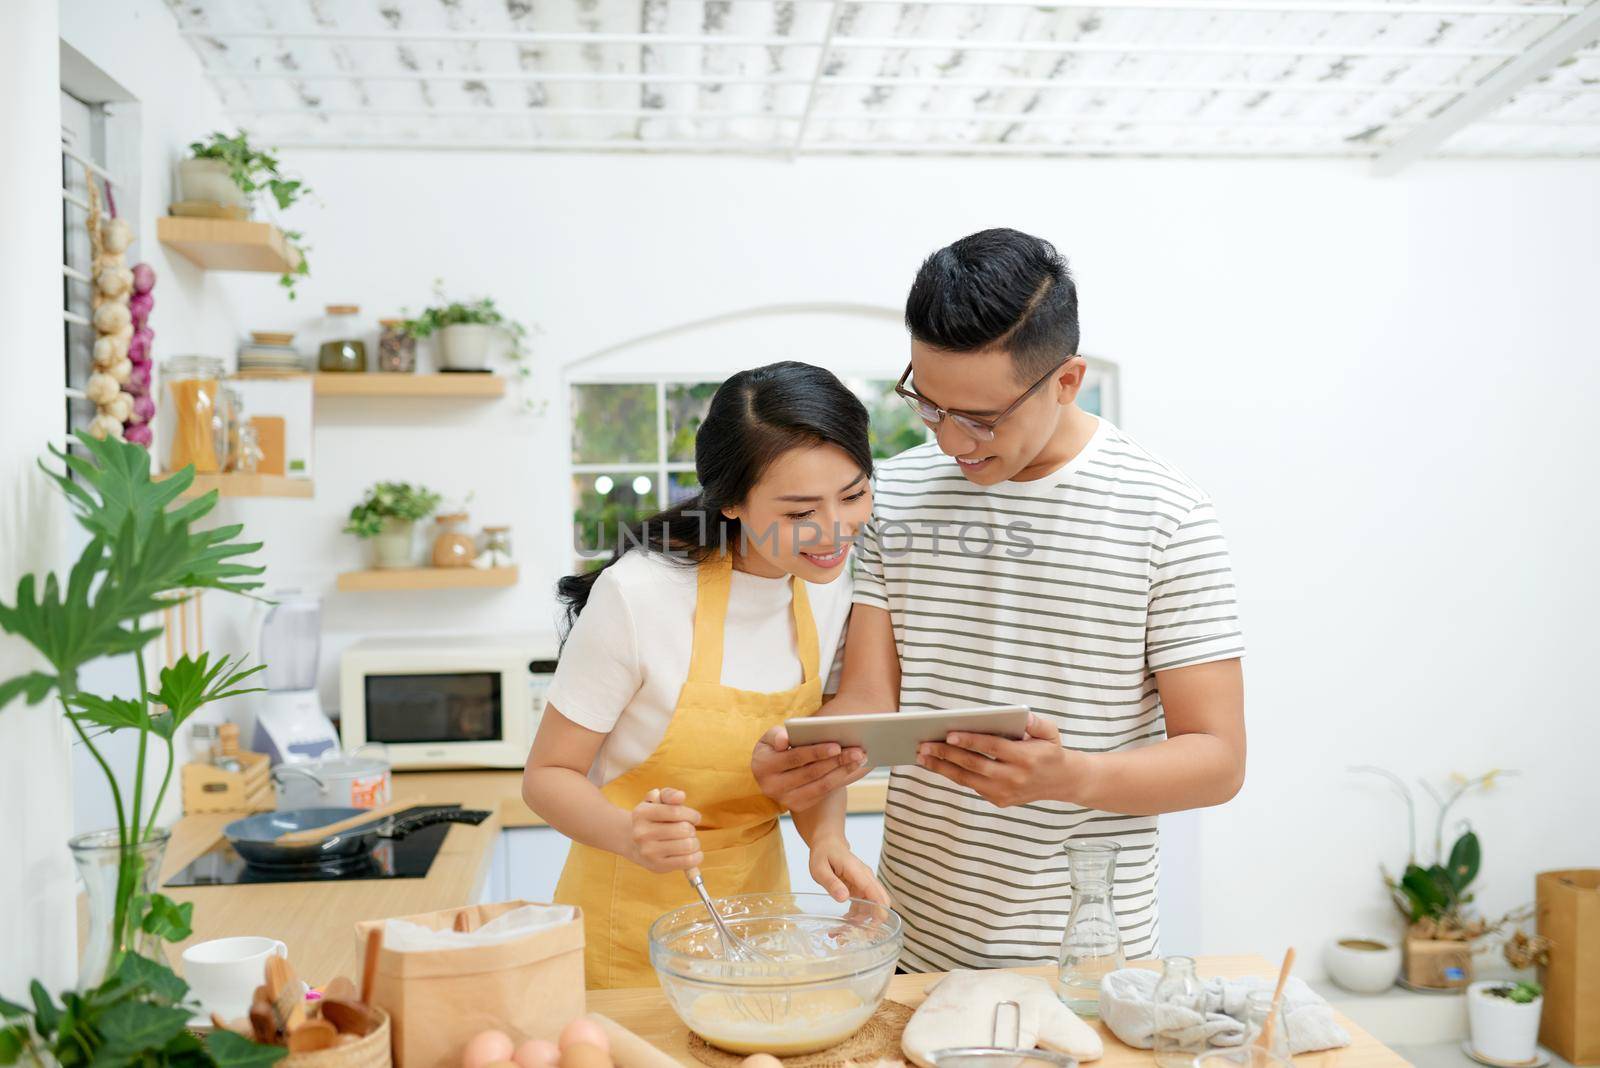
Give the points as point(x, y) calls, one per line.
point(317, 920)
point(647, 1014)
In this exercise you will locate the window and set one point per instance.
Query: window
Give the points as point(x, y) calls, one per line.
point(633, 447)
point(633, 443)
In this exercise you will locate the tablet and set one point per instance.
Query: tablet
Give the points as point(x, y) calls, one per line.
point(892, 738)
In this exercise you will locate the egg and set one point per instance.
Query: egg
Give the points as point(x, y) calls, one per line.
point(584, 1055)
point(486, 1048)
point(537, 1053)
point(761, 1060)
point(586, 1032)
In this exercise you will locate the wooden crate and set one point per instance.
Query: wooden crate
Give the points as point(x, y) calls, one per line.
point(207, 788)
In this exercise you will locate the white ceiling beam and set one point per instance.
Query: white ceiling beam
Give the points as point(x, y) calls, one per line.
point(1290, 7)
point(816, 77)
point(967, 85)
point(1579, 31)
point(689, 40)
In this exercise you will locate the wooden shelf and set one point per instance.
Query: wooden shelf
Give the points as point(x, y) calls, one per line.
point(233, 485)
point(228, 244)
point(428, 578)
point(383, 384)
point(379, 384)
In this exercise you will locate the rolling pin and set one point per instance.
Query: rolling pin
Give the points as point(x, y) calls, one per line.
point(628, 1050)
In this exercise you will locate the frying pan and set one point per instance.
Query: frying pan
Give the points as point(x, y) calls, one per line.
point(255, 836)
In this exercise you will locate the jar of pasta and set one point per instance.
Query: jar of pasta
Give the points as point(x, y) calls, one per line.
point(199, 424)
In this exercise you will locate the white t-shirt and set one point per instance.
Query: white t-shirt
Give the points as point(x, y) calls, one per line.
point(1067, 594)
point(628, 654)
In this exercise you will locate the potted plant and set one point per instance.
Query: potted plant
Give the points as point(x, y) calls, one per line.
point(230, 172)
point(387, 515)
point(143, 554)
point(1504, 1019)
point(1434, 899)
point(471, 333)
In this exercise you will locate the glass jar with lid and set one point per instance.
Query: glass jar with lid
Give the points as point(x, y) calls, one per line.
point(453, 546)
point(397, 349)
point(199, 423)
point(342, 349)
point(497, 545)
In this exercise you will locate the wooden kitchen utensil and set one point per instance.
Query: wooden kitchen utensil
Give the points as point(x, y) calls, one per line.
point(288, 994)
point(350, 1017)
point(312, 1036)
point(341, 989)
point(628, 1050)
point(369, 966)
point(1264, 1039)
point(313, 835)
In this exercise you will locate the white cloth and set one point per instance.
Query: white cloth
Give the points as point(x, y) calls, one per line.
point(403, 936)
point(628, 654)
point(1126, 1006)
point(960, 1011)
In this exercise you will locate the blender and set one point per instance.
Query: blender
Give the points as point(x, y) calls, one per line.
point(291, 727)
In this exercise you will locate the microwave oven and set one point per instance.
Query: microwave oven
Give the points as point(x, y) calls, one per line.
point(459, 701)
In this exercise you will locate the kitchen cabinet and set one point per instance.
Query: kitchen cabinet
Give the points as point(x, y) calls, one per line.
point(527, 860)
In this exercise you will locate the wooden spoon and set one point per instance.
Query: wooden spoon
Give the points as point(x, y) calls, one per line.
point(315, 835)
point(312, 1036)
point(369, 967)
point(263, 1021)
point(1264, 1039)
point(351, 1017)
point(341, 989)
point(287, 992)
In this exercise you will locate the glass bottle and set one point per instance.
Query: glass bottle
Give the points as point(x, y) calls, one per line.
point(113, 876)
point(1257, 1010)
point(1091, 946)
point(247, 460)
point(1178, 1007)
point(193, 384)
point(342, 348)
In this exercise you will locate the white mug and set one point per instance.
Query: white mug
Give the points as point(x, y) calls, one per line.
point(223, 973)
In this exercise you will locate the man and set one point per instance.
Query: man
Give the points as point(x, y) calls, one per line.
point(1031, 554)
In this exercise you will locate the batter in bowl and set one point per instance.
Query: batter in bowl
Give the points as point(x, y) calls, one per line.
point(815, 1020)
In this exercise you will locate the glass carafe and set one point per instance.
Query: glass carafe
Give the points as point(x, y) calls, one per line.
point(1091, 946)
point(1178, 1007)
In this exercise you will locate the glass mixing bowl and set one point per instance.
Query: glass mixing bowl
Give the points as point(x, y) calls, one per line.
point(833, 962)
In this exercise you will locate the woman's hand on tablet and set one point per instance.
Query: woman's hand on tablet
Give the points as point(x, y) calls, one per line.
point(842, 874)
point(663, 833)
point(797, 777)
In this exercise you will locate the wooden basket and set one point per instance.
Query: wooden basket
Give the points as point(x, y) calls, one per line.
point(371, 1051)
point(207, 788)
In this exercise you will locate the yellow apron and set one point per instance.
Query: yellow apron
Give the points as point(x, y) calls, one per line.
point(706, 754)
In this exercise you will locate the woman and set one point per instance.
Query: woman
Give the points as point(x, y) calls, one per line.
point(683, 651)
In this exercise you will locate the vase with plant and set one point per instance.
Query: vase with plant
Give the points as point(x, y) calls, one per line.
point(1503, 1018)
point(471, 333)
point(387, 515)
point(1435, 899)
point(145, 553)
point(230, 172)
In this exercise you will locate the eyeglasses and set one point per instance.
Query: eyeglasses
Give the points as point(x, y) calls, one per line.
point(982, 429)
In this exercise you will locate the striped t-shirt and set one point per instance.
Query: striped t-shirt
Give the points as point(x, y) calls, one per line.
point(1065, 594)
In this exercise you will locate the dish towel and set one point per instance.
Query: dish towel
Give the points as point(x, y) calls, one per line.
point(1126, 1008)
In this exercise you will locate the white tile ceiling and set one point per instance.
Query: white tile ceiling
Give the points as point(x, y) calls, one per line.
point(1121, 77)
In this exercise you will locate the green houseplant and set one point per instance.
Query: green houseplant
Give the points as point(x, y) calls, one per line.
point(387, 514)
point(1435, 898)
point(469, 333)
point(144, 554)
point(231, 172)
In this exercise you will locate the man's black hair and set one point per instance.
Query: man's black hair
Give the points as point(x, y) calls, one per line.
point(997, 289)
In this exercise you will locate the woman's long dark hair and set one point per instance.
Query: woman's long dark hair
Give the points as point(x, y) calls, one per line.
point(755, 417)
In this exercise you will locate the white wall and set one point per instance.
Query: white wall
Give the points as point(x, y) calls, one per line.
point(36, 913)
point(1384, 384)
point(160, 102)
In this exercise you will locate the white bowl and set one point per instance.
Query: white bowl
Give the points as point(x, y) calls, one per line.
point(1363, 970)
